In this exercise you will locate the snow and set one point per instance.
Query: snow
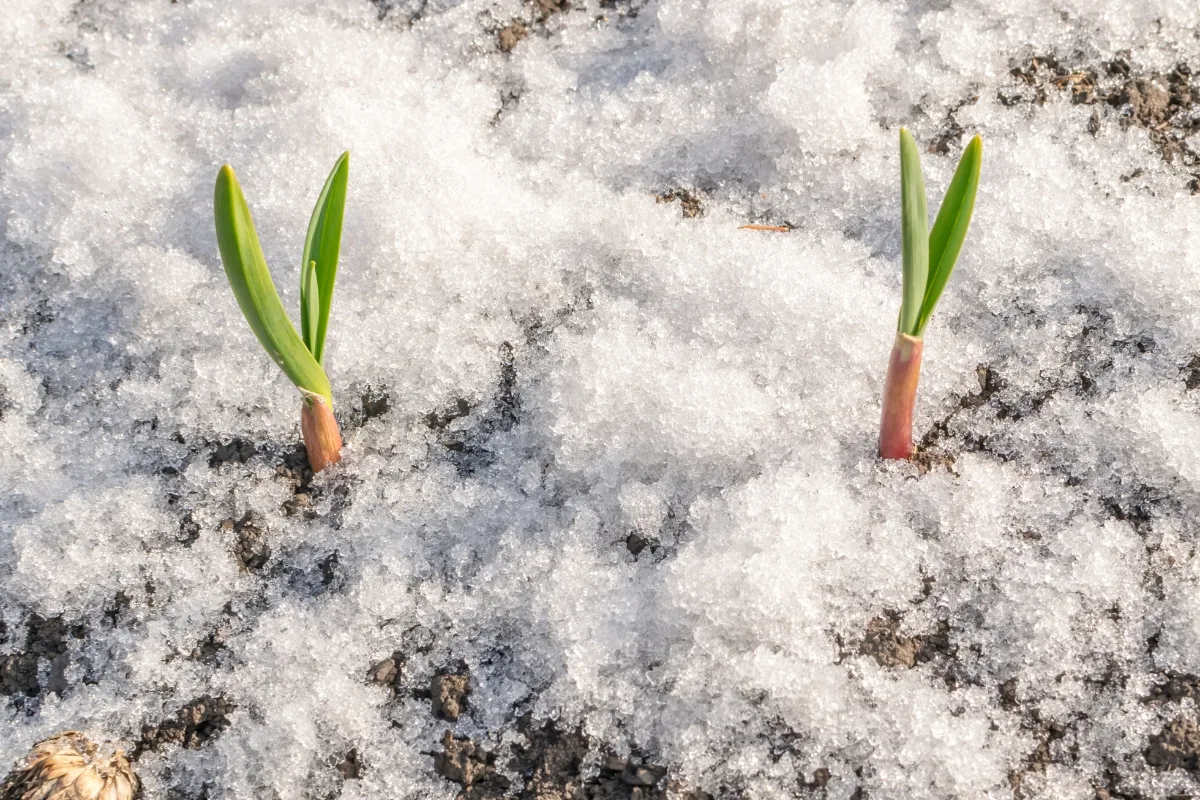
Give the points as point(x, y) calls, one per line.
point(632, 377)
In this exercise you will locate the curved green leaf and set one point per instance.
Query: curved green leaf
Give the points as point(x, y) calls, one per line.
point(914, 225)
point(255, 291)
point(950, 229)
point(310, 305)
point(322, 244)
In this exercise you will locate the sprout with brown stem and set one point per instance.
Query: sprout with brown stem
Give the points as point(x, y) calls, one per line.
point(300, 355)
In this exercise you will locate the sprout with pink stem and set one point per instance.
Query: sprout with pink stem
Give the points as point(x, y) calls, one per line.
point(929, 258)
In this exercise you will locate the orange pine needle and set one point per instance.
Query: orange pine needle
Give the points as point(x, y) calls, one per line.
point(775, 228)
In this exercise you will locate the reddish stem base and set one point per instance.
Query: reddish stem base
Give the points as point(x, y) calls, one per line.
point(900, 397)
point(322, 437)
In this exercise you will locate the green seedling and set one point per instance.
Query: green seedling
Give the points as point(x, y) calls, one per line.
point(299, 355)
point(929, 258)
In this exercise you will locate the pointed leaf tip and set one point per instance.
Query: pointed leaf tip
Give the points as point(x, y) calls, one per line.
point(251, 282)
point(950, 228)
point(323, 243)
point(914, 232)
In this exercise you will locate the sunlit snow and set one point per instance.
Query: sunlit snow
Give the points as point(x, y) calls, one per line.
point(606, 452)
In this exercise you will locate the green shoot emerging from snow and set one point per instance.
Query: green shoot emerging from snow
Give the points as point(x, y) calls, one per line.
point(929, 258)
point(300, 355)
point(930, 255)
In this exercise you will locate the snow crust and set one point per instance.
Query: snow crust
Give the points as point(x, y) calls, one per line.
point(628, 371)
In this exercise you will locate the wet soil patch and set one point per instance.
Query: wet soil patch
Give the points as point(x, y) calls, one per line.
point(439, 420)
point(891, 648)
point(374, 402)
point(471, 449)
point(635, 543)
point(189, 529)
point(349, 767)
point(1093, 364)
point(235, 451)
point(1176, 746)
point(389, 672)
point(1191, 373)
point(1162, 103)
point(191, 727)
point(950, 133)
point(552, 764)
point(250, 546)
point(46, 644)
point(691, 201)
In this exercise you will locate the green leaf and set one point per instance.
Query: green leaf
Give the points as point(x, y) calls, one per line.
point(310, 305)
point(255, 291)
point(322, 244)
point(950, 228)
point(914, 224)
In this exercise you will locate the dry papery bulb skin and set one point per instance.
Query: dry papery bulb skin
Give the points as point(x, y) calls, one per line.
point(69, 766)
point(322, 438)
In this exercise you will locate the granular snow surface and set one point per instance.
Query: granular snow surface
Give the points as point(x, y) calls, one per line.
point(610, 511)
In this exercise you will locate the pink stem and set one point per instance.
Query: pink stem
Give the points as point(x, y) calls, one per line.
point(900, 397)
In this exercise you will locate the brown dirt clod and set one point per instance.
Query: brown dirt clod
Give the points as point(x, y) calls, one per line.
point(388, 672)
point(191, 727)
point(546, 8)
point(511, 35)
point(689, 201)
point(464, 762)
point(1177, 746)
point(250, 547)
point(448, 692)
point(890, 648)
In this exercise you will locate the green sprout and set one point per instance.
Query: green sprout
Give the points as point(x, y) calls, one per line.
point(930, 255)
point(299, 355)
point(929, 259)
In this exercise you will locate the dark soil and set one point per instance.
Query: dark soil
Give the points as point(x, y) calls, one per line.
point(1176, 747)
point(1175, 688)
point(552, 764)
point(46, 644)
point(235, 451)
point(250, 546)
point(191, 727)
point(534, 20)
point(348, 767)
point(389, 672)
point(472, 449)
point(375, 402)
point(690, 201)
point(1164, 104)
point(472, 767)
point(545, 8)
point(635, 543)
